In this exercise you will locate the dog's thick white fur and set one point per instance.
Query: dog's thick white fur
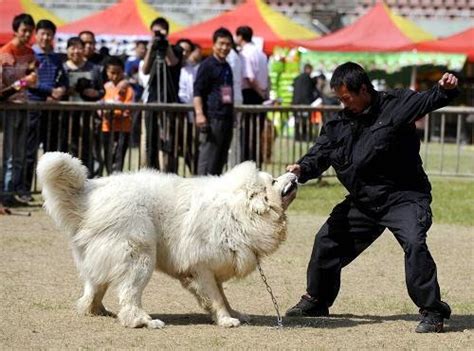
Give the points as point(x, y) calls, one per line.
point(202, 231)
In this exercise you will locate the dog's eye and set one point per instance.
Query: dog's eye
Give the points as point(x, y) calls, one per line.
point(274, 181)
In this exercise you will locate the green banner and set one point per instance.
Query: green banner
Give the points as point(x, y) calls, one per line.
point(389, 62)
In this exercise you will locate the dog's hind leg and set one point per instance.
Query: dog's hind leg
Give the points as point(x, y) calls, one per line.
point(130, 289)
point(236, 314)
point(91, 301)
point(204, 286)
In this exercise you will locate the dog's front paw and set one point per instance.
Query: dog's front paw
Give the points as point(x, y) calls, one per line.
point(228, 322)
point(242, 317)
point(155, 324)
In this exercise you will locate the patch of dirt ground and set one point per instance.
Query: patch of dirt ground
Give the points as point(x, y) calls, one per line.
point(39, 286)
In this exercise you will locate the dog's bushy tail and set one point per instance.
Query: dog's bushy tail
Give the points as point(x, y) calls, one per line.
point(63, 179)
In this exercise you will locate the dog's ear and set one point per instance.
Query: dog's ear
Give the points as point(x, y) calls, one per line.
point(241, 176)
point(258, 200)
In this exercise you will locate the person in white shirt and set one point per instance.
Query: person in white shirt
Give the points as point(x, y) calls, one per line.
point(235, 61)
point(188, 73)
point(254, 92)
point(192, 56)
point(254, 69)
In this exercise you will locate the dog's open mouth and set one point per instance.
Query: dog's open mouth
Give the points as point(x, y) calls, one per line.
point(289, 188)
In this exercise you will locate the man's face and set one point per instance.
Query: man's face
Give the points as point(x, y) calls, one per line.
point(195, 55)
point(140, 51)
point(89, 44)
point(186, 49)
point(158, 28)
point(44, 38)
point(238, 40)
point(221, 47)
point(354, 102)
point(24, 33)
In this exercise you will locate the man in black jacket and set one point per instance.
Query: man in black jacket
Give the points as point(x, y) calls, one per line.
point(304, 87)
point(373, 146)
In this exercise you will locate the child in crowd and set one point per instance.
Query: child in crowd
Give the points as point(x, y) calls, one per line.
point(116, 124)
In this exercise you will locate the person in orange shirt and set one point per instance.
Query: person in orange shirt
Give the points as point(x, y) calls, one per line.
point(116, 124)
point(17, 66)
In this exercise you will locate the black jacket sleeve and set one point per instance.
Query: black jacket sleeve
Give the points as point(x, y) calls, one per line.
point(202, 82)
point(316, 161)
point(414, 105)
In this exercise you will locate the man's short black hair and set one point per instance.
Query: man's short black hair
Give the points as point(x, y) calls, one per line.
point(245, 32)
point(187, 41)
point(87, 32)
point(73, 41)
point(114, 61)
point(222, 33)
point(141, 42)
point(24, 18)
point(162, 22)
point(352, 75)
point(46, 24)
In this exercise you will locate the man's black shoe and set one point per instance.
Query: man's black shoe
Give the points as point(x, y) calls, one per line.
point(308, 307)
point(433, 321)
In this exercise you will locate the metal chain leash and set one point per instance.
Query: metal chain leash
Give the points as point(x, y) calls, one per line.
point(269, 289)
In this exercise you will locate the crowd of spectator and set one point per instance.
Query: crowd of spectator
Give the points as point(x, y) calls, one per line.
point(235, 72)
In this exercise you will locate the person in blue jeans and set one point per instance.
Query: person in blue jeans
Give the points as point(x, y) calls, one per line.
point(52, 86)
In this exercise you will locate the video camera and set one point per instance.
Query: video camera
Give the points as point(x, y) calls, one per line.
point(160, 43)
point(83, 84)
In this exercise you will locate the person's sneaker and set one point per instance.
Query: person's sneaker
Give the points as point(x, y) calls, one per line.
point(433, 321)
point(308, 307)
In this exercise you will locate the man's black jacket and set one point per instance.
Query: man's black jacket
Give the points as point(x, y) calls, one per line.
point(376, 153)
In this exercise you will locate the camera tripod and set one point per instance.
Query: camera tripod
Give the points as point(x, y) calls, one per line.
point(161, 150)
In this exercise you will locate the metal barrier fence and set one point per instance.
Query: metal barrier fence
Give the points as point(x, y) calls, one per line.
point(163, 136)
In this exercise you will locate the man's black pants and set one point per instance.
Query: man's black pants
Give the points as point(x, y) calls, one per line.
point(160, 134)
point(348, 232)
point(213, 151)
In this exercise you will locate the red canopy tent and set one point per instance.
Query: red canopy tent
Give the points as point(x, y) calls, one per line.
point(462, 43)
point(379, 30)
point(128, 18)
point(10, 8)
point(274, 28)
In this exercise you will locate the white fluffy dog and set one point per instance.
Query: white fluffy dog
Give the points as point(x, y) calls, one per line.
point(202, 231)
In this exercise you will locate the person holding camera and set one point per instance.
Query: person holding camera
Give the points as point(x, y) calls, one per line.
point(85, 84)
point(163, 64)
point(214, 105)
